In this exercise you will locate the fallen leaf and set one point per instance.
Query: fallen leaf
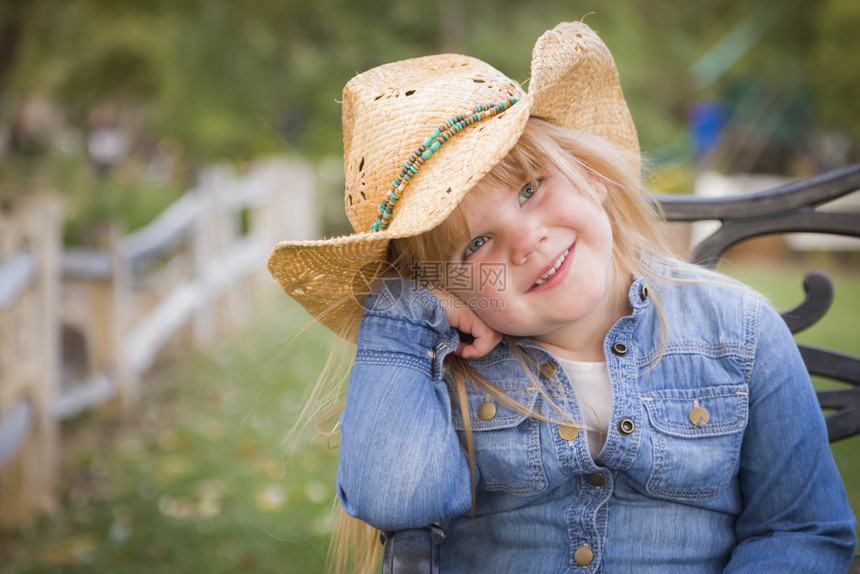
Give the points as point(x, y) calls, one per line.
point(178, 508)
point(76, 549)
point(316, 491)
point(271, 498)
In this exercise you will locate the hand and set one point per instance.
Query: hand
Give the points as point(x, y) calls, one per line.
point(483, 337)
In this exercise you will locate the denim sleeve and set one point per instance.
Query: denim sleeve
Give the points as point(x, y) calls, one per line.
point(796, 516)
point(401, 463)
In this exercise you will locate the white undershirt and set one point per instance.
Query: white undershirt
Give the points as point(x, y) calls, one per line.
point(594, 395)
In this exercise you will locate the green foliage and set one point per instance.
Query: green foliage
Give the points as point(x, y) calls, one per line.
point(835, 66)
point(129, 205)
point(233, 80)
point(123, 197)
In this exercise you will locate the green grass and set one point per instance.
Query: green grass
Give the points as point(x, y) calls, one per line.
point(198, 479)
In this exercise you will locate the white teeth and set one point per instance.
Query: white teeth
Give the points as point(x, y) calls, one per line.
point(551, 272)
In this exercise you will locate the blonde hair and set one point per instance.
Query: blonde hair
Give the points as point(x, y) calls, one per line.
point(637, 235)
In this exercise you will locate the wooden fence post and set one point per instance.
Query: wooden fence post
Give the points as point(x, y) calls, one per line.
point(290, 208)
point(29, 360)
point(109, 300)
point(216, 233)
point(232, 306)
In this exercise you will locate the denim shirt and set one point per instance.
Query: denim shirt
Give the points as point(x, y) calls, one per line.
point(716, 459)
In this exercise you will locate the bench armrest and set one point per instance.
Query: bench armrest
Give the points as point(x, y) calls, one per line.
point(414, 551)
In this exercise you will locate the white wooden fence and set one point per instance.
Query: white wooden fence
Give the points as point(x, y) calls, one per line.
point(194, 265)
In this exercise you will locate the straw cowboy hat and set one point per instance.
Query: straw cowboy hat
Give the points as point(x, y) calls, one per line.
point(414, 145)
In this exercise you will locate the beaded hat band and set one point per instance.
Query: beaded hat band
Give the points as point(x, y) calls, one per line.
point(389, 109)
point(432, 144)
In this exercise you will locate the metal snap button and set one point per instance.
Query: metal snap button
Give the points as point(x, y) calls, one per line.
point(699, 416)
point(568, 433)
point(548, 370)
point(487, 411)
point(626, 426)
point(643, 292)
point(596, 479)
point(619, 349)
point(583, 556)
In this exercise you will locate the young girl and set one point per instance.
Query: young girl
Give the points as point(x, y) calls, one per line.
point(534, 371)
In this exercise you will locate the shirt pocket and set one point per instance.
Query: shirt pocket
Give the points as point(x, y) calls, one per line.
point(507, 445)
point(696, 437)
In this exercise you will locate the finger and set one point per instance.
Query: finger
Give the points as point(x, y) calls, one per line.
point(484, 340)
point(480, 346)
point(487, 343)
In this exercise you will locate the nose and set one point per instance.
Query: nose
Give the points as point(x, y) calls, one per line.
point(525, 237)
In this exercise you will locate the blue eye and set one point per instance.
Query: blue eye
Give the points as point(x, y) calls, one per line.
point(475, 244)
point(527, 191)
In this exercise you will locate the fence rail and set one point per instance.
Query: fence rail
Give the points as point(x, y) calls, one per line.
point(16, 274)
point(116, 306)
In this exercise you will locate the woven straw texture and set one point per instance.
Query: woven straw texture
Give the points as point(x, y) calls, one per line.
point(390, 110)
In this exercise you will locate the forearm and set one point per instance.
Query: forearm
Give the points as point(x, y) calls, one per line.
point(796, 516)
point(401, 463)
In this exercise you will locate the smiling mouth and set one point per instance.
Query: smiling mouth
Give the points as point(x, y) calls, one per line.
point(545, 277)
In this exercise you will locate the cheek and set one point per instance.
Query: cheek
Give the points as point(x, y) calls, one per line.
point(478, 298)
point(506, 319)
point(594, 223)
point(605, 233)
point(490, 301)
point(476, 280)
point(600, 231)
point(497, 304)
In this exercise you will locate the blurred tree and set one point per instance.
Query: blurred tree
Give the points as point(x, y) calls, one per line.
point(10, 34)
point(229, 79)
point(222, 78)
point(835, 66)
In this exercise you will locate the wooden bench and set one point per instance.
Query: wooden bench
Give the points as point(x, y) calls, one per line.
point(786, 209)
